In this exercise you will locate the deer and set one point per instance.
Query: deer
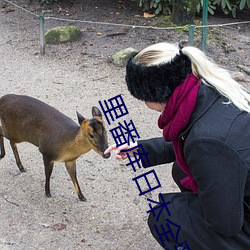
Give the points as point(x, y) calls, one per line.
point(58, 138)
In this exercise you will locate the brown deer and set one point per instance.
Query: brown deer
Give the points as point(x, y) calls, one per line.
point(59, 138)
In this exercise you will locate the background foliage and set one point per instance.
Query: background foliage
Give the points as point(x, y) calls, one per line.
point(165, 6)
point(227, 6)
point(48, 1)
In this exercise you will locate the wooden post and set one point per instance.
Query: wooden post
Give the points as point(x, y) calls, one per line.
point(191, 35)
point(42, 31)
point(204, 23)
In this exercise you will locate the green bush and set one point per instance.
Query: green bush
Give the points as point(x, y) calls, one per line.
point(157, 6)
point(232, 6)
point(227, 6)
point(47, 1)
point(211, 7)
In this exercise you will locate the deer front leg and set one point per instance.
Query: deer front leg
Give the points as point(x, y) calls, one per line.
point(1, 144)
point(2, 147)
point(71, 168)
point(18, 161)
point(48, 165)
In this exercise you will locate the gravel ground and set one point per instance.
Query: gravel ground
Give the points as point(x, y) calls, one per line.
point(114, 216)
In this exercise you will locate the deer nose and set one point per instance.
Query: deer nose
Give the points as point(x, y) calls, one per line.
point(106, 156)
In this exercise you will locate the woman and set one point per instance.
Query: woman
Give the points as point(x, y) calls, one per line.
point(205, 118)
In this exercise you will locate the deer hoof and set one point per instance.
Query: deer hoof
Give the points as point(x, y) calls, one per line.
point(48, 195)
point(82, 198)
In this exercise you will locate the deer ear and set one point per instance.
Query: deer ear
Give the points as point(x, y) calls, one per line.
point(96, 112)
point(80, 118)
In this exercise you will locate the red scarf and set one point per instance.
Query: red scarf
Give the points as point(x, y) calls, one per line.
point(174, 119)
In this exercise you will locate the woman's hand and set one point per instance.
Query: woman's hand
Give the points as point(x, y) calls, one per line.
point(122, 155)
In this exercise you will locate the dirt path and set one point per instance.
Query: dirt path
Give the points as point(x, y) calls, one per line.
point(75, 77)
point(114, 216)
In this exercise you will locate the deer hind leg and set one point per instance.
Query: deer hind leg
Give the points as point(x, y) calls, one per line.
point(71, 168)
point(1, 144)
point(18, 161)
point(48, 165)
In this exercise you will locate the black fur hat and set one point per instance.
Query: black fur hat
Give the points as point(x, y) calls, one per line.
point(156, 83)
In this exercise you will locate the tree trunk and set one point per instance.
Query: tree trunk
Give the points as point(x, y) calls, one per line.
point(183, 11)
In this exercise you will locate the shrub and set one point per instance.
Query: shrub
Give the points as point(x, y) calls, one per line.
point(157, 6)
point(47, 1)
point(165, 6)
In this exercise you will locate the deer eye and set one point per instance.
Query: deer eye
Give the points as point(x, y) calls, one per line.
point(91, 136)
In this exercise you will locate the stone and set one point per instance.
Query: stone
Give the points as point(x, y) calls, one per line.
point(63, 34)
point(239, 76)
point(121, 58)
point(2, 3)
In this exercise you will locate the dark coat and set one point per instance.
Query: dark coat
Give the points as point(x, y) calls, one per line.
point(216, 145)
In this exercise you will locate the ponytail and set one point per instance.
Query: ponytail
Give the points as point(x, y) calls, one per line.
point(218, 78)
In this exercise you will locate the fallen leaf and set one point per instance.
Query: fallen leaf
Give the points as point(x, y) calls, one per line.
point(58, 227)
point(147, 15)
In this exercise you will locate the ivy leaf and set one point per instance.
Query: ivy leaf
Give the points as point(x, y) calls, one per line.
point(242, 4)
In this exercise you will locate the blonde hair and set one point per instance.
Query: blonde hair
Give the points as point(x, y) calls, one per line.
point(204, 68)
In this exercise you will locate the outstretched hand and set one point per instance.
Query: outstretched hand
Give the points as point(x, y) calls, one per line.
point(122, 155)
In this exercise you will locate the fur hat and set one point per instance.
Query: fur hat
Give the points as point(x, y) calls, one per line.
point(156, 83)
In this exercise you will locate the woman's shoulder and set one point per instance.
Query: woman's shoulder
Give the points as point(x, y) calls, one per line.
point(215, 117)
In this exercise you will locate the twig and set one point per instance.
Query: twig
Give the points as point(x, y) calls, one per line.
point(13, 203)
point(101, 78)
point(57, 82)
point(117, 34)
point(244, 68)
